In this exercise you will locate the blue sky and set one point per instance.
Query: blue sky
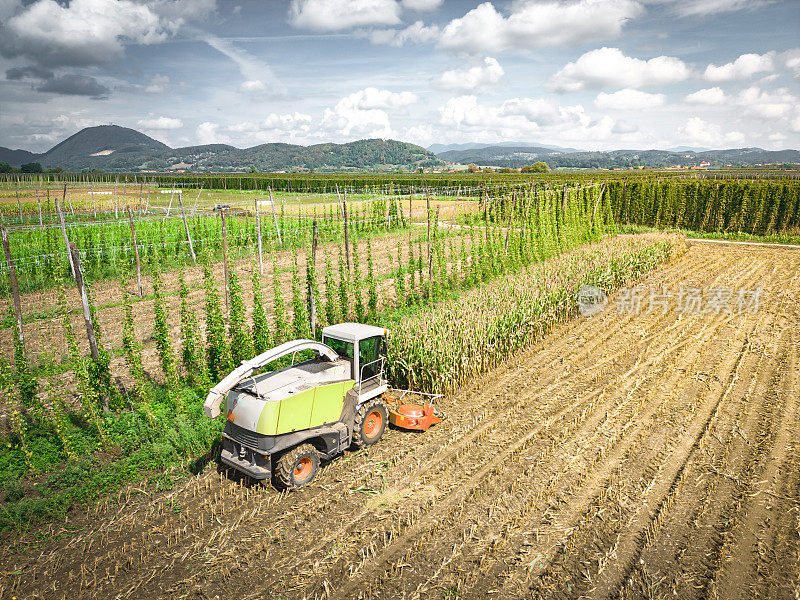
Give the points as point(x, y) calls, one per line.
point(592, 74)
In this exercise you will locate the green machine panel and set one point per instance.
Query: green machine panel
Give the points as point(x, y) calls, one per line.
point(328, 402)
point(305, 409)
point(295, 411)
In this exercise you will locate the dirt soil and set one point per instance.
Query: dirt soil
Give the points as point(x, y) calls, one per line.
point(649, 455)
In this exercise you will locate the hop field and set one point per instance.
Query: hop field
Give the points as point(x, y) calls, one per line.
point(618, 455)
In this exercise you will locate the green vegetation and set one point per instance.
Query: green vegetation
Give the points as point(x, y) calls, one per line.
point(458, 301)
point(107, 248)
point(727, 206)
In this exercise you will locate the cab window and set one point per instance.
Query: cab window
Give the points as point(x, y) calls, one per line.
point(368, 350)
point(342, 348)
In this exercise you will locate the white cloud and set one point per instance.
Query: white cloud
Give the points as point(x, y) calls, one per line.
point(363, 113)
point(252, 85)
point(777, 137)
point(791, 59)
point(373, 98)
point(291, 127)
point(629, 99)
point(743, 67)
point(160, 123)
point(84, 32)
point(208, 133)
point(623, 127)
point(609, 67)
point(703, 133)
point(709, 96)
point(475, 78)
point(157, 84)
point(259, 77)
point(422, 135)
point(416, 33)
point(533, 24)
point(335, 15)
point(769, 105)
point(422, 5)
point(695, 8)
point(179, 12)
point(522, 117)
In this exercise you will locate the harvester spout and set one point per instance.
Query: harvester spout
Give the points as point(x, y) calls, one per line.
point(248, 367)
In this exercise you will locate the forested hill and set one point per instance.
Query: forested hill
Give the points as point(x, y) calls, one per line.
point(114, 148)
point(514, 157)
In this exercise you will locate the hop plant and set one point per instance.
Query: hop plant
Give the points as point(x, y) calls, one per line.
point(299, 309)
point(279, 308)
point(359, 303)
point(218, 357)
point(166, 354)
point(241, 342)
point(192, 348)
point(372, 291)
point(260, 322)
point(133, 357)
point(88, 393)
point(331, 310)
point(344, 287)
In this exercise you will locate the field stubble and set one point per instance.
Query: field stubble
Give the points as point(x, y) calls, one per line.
point(635, 455)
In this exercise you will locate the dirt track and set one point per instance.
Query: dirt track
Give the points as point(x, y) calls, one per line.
point(634, 456)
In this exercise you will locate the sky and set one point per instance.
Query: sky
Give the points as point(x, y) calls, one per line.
point(586, 74)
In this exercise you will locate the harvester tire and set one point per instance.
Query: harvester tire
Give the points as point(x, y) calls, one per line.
point(296, 468)
point(370, 423)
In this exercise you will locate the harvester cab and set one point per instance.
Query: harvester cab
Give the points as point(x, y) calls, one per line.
point(282, 422)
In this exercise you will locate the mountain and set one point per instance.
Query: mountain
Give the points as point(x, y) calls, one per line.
point(441, 148)
point(16, 157)
point(493, 155)
point(515, 157)
point(114, 148)
point(687, 149)
point(100, 142)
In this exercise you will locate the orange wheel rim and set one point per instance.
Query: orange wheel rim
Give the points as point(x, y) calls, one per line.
point(372, 424)
point(302, 468)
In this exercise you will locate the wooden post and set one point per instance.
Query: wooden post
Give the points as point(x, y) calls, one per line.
point(171, 196)
point(136, 251)
point(87, 313)
point(275, 217)
point(258, 232)
point(141, 188)
point(12, 276)
point(91, 193)
point(508, 225)
point(225, 259)
point(116, 206)
point(64, 233)
point(19, 204)
point(346, 234)
point(312, 301)
point(428, 205)
point(597, 204)
point(69, 200)
point(146, 203)
point(39, 202)
point(194, 208)
point(186, 227)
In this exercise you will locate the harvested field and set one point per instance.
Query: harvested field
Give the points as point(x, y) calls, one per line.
point(636, 455)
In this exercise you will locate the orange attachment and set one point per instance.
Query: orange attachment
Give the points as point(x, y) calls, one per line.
point(413, 416)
